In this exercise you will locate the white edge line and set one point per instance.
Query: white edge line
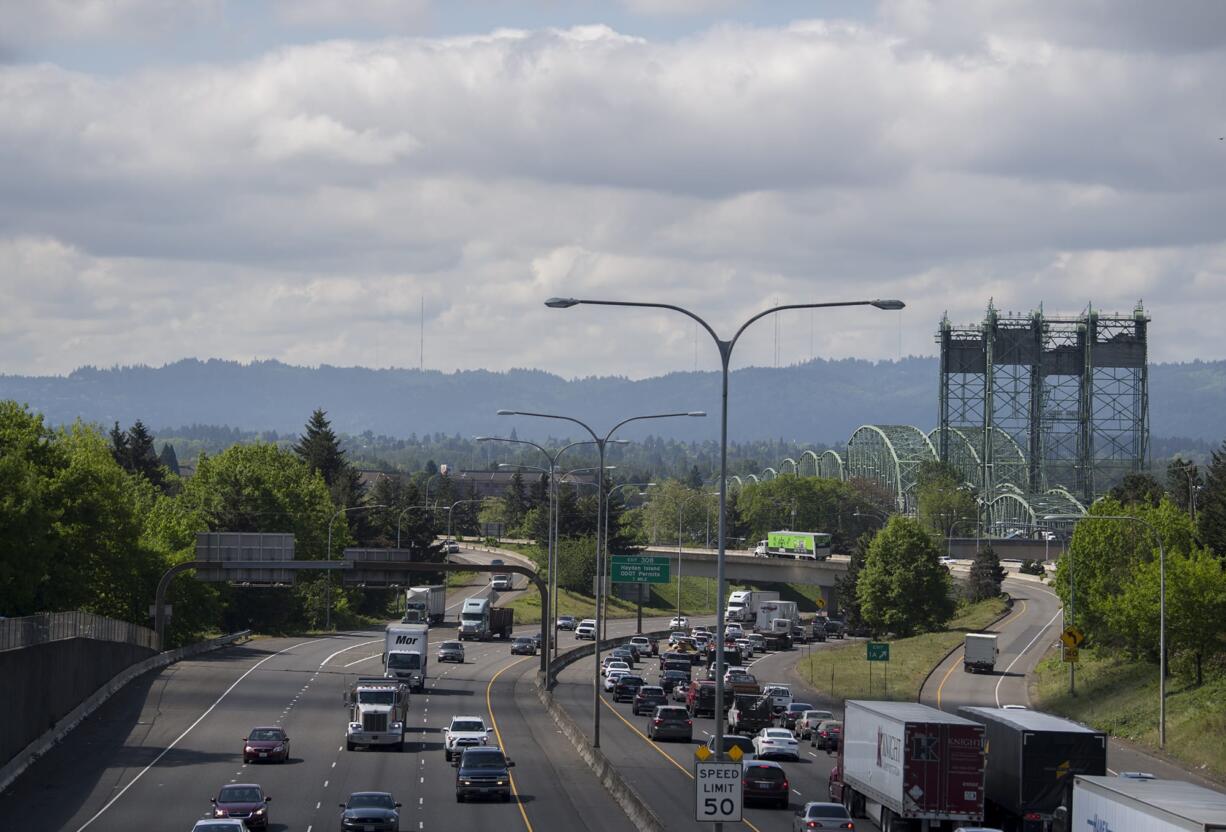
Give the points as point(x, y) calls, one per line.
point(186, 731)
point(1024, 651)
point(347, 649)
point(364, 659)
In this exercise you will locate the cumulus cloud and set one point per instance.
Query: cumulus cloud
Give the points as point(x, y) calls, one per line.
point(300, 204)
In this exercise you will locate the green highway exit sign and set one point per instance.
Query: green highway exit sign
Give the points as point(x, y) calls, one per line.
point(878, 651)
point(645, 569)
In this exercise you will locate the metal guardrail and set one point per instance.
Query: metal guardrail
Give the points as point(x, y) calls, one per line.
point(56, 626)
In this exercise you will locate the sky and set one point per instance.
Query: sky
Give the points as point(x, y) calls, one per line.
point(309, 181)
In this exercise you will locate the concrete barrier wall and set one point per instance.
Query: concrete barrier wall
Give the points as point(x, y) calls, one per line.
point(40, 685)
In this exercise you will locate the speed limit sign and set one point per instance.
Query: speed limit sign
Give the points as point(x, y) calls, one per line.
point(717, 788)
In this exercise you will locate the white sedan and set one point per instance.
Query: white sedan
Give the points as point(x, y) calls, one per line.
point(776, 742)
point(611, 677)
point(611, 666)
point(679, 622)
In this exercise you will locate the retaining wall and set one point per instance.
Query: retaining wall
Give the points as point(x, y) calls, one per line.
point(40, 685)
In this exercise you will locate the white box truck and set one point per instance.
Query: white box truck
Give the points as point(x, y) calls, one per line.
point(405, 653)
point(1122, 804)
point(979, 653)
point(774, 623)
point(743, 604)
point(902, 761)
point(424, 604)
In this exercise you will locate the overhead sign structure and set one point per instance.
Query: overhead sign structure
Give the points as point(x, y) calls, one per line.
point(640, 569)
point(717, 792)
point(878, 651)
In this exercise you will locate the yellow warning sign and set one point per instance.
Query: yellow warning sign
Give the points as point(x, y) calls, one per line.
point(821, 603)
point(1062, 770)
point(702, 753)
point(1070, 654)
point(735, 754)
point(1072, 637)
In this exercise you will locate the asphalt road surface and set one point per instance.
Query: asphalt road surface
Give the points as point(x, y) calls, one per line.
point(154, 754)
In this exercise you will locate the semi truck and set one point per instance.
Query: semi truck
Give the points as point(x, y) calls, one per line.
point(743, 604)
point(405, 653)
point(774, 623)
point(798, 545)
point(424, 604)
point(481, 621)
point(1032, 759)
point(979, 653)
point(378, 709)
point(1119, 804)
point(901, 762)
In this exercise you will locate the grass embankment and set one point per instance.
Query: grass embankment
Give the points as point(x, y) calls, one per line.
point(697, 596)
point(843, 672)
point(1121, 697)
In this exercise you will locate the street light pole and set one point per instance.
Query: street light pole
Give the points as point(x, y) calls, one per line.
point(725, 355)
point(400, 517)
point(328, 556)
point(600, 442)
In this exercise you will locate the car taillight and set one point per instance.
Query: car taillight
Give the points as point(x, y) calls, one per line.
point(689, 722)
point(1033, 816)
point(785, 785)
point(658, 721)
point(812, 824)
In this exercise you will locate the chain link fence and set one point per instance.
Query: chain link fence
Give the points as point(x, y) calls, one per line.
point(55, 626)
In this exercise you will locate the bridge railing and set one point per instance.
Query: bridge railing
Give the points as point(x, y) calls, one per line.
point(56, 626)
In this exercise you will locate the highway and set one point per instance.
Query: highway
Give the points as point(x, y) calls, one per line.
point(154, 754)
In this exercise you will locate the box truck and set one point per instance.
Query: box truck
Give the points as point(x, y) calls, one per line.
point(901, 762)
point(424, 604)
point(405, 653)
point(979, 653)
point(1121, 804)
point(798, 545)
point(1032, 758)
point(775, 621)
point(743, 604)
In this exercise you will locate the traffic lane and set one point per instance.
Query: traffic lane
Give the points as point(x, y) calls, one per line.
point(1023, 637)
point(652, 768)
point(99, 758)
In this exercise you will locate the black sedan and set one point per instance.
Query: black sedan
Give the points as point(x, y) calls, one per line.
point(370, 812)
point(627, 686)
point(523, 646)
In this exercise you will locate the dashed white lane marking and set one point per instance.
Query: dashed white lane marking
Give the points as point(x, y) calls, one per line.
point(811, 754)
point(797, 791)
point(340, 748)
point(423, 779)
point(334, 764)
point(326, 784)
point(317, 804)
point(186, 731)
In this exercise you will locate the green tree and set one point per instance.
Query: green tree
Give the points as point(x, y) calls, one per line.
point(986, 575)
point(943, 504)
point(168, 459)
point(320, 449)
point(1136, 488)
point(813, 504)
point(903, 589)
point(515, 501)
point(577, 564)
point(695, 478)
point(1211, 504)
point(847, 585)
point(133, 451)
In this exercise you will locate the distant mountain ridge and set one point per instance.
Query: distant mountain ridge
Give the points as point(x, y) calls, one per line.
point(819, 401)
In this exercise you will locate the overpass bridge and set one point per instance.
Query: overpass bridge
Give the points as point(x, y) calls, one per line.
point(743, 567)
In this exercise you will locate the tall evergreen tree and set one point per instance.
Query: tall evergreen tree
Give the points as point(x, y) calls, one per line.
point(169, 459)
point(515, 501)
point(694, 480)
point(845, 585)
point(119, 447)
point(321, 450)
point(986, 575)
point(1182, 477)
point(1211, 504)
point(1137, 488)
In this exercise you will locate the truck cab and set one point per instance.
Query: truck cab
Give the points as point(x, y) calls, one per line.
point(475, 619)
point(378, 709)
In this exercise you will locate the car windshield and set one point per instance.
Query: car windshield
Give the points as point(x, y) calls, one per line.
point(524, 640)
point(371, 800)
point(375, 697)
point(651, 690)
point(267, 734)
point(811, 715)
point(830, 726)
point(240, 794)
point(761, 772)
point(797, 708)
point(631, 680)
point(673, 713)
point(223, 826)
point(483, 759)
point(471, 616)
point(468, 725)
point(451, 645)
point(779, 734)
point(404, 661)
point(825, 810)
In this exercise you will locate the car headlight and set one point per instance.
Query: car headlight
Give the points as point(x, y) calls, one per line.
point(397, 726)
point(279, 748)
point(355, 726)
point(248, 749)
point(258, 811)
point(502, 782)
point(468, 782)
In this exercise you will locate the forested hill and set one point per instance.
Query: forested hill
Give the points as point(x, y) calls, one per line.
point(818, 401)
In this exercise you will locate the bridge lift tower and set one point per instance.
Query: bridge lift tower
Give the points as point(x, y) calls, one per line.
point(1036, 402)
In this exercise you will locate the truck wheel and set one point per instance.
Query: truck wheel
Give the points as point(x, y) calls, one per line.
point(400, 745)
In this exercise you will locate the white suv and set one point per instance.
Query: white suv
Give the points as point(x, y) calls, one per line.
point(586, 629)
point(464, 732)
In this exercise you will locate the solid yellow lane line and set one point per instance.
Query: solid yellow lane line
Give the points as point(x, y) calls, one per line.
point(948, 673)
point(662, 752)
point(489, 706)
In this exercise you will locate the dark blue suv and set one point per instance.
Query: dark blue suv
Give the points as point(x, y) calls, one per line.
point(483, 772)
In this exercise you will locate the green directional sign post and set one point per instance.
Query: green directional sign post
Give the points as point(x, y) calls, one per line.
point(640, 569)
point(878, 651)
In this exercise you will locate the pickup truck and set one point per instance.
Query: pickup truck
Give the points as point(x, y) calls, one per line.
point(780, 696)
point(742, 683)
point(749, 715)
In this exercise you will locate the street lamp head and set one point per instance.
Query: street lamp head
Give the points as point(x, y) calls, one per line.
point(697, 413)
point(483, 438)
point(561, 303)
point(618, 442)
point(888, 303)
point(506, 412)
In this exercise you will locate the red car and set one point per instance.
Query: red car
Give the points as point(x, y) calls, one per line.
point(244, 801)
point(268, 743)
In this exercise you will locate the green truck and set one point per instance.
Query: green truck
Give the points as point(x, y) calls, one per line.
point(798, 545)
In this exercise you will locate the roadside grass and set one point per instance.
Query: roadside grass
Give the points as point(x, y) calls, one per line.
point(1118, 695)
point(844, 672)
point(461, 578)
point(696, 597)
